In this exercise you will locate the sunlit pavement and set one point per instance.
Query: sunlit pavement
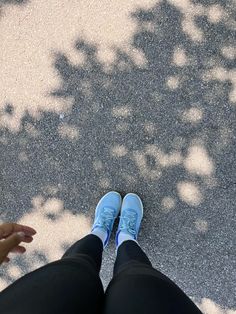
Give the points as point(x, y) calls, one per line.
point(134, 96)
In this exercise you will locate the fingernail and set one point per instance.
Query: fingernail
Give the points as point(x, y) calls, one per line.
point(21, 234)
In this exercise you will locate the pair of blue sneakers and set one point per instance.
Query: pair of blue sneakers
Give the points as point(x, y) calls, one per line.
point(108, 209)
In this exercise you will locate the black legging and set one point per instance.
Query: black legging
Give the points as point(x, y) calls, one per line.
point(72, 285)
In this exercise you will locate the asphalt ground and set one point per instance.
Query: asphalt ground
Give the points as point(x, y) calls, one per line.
point(133, 97)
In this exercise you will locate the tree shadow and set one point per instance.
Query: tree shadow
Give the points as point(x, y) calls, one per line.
point(163, 127)
point(11, 2)
point(17, 2)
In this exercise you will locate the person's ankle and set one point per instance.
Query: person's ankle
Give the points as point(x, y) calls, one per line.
point(101, 234)
point(122, 240)
point(122, 237)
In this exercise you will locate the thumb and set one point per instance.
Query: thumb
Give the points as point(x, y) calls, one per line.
point(9, 243)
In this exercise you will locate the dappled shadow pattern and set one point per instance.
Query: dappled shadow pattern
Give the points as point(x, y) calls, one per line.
point(15, 2)
point(164, 128)
point(21, 264)
point(12, 2)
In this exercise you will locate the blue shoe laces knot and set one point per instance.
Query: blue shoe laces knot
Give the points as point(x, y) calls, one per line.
point(128, 221)
point(105, 218)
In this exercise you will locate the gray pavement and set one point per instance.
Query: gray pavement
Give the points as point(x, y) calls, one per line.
point(165, 130)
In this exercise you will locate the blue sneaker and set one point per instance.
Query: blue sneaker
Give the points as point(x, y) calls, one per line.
point(131, 216)
point(106, 212)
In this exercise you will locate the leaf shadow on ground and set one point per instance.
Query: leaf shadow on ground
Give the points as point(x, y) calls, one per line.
point(158, 129)
point(11, 2)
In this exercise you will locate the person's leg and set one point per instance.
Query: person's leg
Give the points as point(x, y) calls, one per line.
point(90, 246)
point(139, 288)
point(136, 286)
point(71, 284)
point(127, 247)
point(129, 251)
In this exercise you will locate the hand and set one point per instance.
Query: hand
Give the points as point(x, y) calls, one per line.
point(13, 234)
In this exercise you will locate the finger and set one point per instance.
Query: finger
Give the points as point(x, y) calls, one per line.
point(9, 243)
point(28, 230)
point(18, 249)
point(9, 228)
point(27, 239)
